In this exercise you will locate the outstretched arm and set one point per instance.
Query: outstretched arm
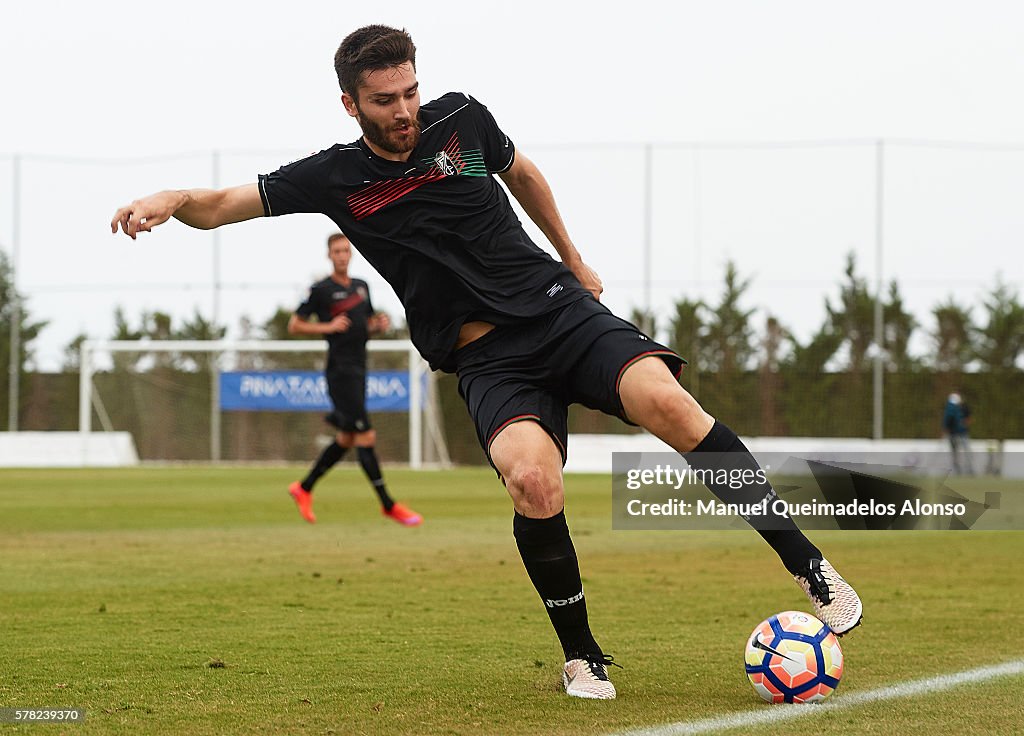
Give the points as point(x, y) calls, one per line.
point(530, 187)
point(201, 208)
point(300, 326)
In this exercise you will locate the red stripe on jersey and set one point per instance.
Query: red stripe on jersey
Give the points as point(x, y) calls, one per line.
point(382, 193)
point(347, 304)
point(452, 146)
point(363, 205)
point(381, 188)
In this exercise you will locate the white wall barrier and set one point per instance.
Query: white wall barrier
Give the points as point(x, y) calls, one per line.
point(588, 453)
point(67, 449)
point(592, 453)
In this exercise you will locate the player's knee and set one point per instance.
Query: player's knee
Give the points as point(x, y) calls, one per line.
point(535, 488)
point(366, 439)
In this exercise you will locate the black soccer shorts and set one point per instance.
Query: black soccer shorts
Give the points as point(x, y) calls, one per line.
point(534, 371)
point(348, 395)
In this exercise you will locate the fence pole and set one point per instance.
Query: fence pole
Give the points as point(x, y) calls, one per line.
point(14, 364)
point(698, 238)
point(214, 362)
point(415, 410)
point(879, 367)
point(85, 388)
point(215, 419)
point(648, 235)
point(215, 233)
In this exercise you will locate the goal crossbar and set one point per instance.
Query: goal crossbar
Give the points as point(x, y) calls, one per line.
point(89, 348)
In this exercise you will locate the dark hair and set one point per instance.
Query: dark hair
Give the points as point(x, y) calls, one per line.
point(335, 236)
point(368, 49)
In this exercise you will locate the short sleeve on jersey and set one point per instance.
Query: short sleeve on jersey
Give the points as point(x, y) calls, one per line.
point(307, 309)
point(296, 187)
point(369, 304)
point(499, 152)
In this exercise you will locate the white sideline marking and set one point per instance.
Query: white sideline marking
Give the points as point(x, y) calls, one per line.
point(779, 713)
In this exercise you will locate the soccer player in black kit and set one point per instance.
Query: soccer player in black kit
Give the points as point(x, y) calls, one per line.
point(525, 333)
point(345, 319)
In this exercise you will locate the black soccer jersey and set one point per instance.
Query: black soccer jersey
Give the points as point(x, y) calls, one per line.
point(437, 227)
point(327, 299)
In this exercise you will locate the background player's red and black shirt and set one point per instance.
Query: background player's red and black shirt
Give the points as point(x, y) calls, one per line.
point(438, 227)
point(327, 299)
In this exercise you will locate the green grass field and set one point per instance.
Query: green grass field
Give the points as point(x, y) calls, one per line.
point(194, 600)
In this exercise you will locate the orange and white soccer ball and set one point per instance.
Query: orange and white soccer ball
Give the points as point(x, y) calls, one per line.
point(792, 657)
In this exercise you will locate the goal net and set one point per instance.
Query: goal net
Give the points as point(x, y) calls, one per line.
point(251, 400)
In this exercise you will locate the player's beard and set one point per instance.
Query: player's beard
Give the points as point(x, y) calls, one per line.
point(384, 136)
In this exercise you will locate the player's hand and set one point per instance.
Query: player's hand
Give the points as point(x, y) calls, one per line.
point(341, 323)
point(589, 279)
point(381, 322)
point(144, 214)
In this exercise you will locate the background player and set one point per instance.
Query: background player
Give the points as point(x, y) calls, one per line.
point(956, 420)
point(345, 319)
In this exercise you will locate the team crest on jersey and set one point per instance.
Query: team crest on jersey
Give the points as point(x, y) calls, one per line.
point(445, 164)
point(452, 160)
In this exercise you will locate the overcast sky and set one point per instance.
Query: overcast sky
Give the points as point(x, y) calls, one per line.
point(580, 87)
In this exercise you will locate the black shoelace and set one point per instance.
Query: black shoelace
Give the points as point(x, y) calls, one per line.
point(599, 664)
point(819, 586)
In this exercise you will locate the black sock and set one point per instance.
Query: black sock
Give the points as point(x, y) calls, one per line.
point(331, 454)
point(782, 533)
point(551, 563)
point(368, 459)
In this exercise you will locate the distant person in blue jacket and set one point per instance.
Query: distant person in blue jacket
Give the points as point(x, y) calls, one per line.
point(956, 421)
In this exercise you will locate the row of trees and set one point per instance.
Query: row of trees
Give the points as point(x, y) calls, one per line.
point(718, 337)
point(750, 369)
point(723, 338)
point(161, 326)
point(28, 331)
point(774, 384)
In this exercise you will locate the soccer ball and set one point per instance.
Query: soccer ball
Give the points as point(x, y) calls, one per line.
point(792, 657)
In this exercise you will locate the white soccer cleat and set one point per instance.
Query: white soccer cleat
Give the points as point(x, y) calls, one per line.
point(835, 602)
point(588, 678)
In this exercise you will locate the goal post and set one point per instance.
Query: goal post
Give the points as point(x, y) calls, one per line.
point(194, 358)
